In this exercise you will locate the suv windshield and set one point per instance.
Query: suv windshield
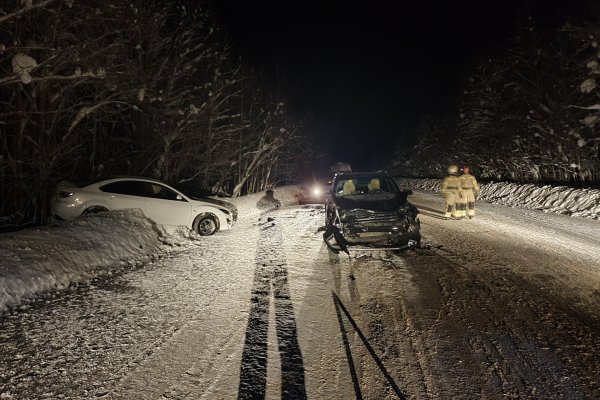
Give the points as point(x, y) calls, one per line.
point(364, 186)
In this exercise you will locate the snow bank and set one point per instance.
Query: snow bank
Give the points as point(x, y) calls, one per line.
point(59, 254)
point(557, 199)
point(54, 256)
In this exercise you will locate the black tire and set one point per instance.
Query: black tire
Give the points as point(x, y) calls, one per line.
point(94, 210)
point(206, 225)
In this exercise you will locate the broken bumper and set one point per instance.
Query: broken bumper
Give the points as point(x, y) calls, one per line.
point(372, 239)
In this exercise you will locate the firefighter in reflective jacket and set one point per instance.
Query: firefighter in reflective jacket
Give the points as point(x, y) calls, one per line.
point(450, 190)
point(469, 190)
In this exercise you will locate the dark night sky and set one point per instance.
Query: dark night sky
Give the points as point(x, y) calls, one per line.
point(367, 71)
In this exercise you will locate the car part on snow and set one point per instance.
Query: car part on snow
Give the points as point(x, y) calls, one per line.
point(332, 231)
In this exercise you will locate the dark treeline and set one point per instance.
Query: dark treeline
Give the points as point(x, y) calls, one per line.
point(99, 88)
point(529, 113)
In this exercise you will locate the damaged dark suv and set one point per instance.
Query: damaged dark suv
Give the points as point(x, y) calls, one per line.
point(368, 209)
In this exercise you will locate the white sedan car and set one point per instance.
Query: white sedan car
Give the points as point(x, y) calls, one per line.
point(158, 201)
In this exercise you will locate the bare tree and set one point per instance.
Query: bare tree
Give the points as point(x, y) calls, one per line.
point(97, 88)
point(59, 77)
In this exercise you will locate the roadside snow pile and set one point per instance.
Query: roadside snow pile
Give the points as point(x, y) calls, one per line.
point(558, 199)
point(54, 256)
point(425, 184)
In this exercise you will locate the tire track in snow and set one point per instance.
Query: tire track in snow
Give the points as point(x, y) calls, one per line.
point(380, 311)
point(500, 314)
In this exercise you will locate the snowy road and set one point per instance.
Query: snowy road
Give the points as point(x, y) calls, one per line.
point(502, 306)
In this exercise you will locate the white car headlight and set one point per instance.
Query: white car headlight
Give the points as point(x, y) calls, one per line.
point(316, 191)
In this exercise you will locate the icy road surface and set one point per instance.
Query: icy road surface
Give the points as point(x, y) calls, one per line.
point(502, 306)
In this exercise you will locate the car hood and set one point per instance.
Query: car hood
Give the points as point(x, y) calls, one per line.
point(219, 203)
point(382, 202)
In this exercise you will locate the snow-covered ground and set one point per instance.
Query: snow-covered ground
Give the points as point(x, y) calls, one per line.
point(54, 256)
point(501, 306)
point(68, 252)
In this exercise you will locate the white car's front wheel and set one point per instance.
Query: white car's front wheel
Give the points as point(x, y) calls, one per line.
point(206, 225)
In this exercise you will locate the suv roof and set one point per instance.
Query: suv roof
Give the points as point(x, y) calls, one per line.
point(376, 174)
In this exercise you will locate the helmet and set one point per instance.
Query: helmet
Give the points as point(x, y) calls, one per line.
point(453, 169)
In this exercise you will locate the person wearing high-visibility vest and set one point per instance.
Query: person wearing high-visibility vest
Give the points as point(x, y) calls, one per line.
point(450, 189)
point(469, 189)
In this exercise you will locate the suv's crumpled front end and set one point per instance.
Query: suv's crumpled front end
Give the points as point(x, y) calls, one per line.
point(391, 228)
point(367, 211)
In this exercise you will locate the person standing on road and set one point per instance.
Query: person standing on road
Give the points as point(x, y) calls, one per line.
point(450, 190)
point(469, 191)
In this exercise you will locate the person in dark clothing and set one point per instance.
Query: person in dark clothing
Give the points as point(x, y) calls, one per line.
point(268, 200)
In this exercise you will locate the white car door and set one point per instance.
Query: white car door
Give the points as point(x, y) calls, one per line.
point(165, 206)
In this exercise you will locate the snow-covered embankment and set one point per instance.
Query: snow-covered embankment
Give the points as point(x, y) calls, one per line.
point(557, 199)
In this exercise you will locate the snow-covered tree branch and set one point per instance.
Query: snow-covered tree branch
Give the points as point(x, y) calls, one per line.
point(140, 88)
point(530, 113)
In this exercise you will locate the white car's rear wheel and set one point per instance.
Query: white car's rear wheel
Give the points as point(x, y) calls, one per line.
point(206, 225)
